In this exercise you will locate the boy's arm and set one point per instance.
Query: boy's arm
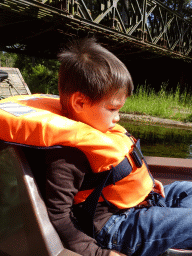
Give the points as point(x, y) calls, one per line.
point(64, 179)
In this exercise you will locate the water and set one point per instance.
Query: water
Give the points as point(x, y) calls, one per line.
point(161, 141)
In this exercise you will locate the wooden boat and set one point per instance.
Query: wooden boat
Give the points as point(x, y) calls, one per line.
point(27, 229)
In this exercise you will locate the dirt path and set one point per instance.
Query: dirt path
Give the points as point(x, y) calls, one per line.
point(156, 120)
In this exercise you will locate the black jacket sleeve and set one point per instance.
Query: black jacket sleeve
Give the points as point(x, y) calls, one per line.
point(65, 171)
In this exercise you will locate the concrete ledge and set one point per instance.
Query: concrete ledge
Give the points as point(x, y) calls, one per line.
point(155, 120)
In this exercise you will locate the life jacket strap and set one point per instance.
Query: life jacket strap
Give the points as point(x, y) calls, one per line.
point(89, 206)
point(117, 173)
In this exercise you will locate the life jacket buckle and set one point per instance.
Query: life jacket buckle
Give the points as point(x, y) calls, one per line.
point(136, 154)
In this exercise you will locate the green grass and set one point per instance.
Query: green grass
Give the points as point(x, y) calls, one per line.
point(175, 105)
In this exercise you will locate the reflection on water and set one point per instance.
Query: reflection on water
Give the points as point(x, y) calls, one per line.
point(161, 141)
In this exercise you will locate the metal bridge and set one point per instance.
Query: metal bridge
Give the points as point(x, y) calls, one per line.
point(129, 28)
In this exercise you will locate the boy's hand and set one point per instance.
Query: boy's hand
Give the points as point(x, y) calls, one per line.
point(116, 253)
point(158, 188)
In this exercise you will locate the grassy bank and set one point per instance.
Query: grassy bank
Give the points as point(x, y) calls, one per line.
point(175, 105)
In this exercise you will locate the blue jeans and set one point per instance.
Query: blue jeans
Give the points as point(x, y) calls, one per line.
point(152, 230)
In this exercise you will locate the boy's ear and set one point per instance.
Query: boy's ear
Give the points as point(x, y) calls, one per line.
point(78, 101)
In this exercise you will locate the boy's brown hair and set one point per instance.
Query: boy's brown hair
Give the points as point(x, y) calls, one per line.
point(89, 68)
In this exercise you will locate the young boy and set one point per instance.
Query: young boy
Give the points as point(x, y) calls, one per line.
point(101, 197)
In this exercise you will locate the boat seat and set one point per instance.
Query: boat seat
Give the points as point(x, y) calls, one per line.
point(25, 228)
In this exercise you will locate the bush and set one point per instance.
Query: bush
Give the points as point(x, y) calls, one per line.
point(41, 75)
point(43, 80)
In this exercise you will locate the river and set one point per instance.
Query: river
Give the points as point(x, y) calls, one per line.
point(161, 141)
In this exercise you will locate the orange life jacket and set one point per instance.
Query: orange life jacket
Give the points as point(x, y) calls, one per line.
point(36, 120)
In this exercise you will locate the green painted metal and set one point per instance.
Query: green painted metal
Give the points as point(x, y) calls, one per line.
point(141, 25)
point(148, 20)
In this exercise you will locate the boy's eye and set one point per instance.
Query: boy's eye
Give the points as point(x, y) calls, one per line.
point(113, 109)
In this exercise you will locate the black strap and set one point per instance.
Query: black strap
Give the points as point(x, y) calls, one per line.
point(88, 209)
point(91, 180)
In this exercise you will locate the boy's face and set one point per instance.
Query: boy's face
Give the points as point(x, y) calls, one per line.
point(104, 114)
